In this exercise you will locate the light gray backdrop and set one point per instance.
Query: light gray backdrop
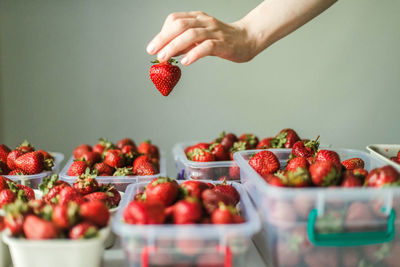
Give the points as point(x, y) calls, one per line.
point(73, 71)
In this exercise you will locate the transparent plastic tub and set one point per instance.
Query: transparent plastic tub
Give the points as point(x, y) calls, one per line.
point(119, 182)
point(385, 152)
point(324, 226)
point(59, 252)
point(193, 245)
point(215, 170)
point(34, 180)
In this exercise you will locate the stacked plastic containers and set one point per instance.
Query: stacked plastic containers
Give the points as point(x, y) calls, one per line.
point(324, 226)
point(215, 170)
point(34, 180)
point(187, 245)
point(119, 182)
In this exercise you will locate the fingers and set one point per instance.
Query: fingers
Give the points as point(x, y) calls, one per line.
point(206, 48)
point(185, 40)
point(175, 24)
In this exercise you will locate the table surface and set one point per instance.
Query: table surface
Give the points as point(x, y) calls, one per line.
point(114, 257)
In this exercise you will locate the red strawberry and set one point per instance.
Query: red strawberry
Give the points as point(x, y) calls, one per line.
point(358, 217)
point(224, 215)
point(149, 212)
point(139, 160)
point(83, 230)
point(4, 151)
point(95, 212)
point(296, 163)
point(65, 216)
point(6, 197)
point(305, 148)
point(194, 188)
point(49, 182)
point(27, 191)
point(219, 152)
point(250, 139)
point(3, 183)
point(394, 159)
point(14, 222)
point(189, 150)
point(78, 168)
point(162, 189)
point(145, 169)
point(274, 180)
point(103, 169)
point(384, 176)
point(113, 195)
point(102, 146)
point(398, 156)
point(30, 163)
point(25, 147)
point(350, 180)
point(68, 194)
point(90, 157)
point(80, 149)
point(202, 155)
point(165, 76)
point(114, 158)
point(125, 142)
point(354, 163)
point(4, 168)
point(86, 184)
point(37, 228)
point(187, 211)
point(53, 193)
point(228, 190)
point(12, 156)
point(285, 139)
point(211, 200)
point(227, 140)
point(128, 150)
point(265, 143)
point(329, 155)
point(324, 173)
point(98, 196)
point(265, 162)
point(148, 148)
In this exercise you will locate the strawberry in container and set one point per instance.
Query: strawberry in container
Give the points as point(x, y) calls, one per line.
point(26, 165)
point(120, 164)
point(339, 204)
point(214, 160)
point(185, 222)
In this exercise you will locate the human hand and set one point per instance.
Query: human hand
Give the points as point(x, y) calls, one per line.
point(196, 35)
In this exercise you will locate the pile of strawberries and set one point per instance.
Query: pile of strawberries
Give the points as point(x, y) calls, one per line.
point(24, 160)
point(64, 211)
point(84, 189)
point(223, 147)
point(163, 200)
point(308, 166)
point(11, 191)
point(121, 159)
point(396, 159)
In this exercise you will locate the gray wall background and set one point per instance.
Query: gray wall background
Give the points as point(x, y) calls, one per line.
point(73, 71)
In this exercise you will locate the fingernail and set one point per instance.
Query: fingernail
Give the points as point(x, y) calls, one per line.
point(184, 61)
point(150, 48)
point(161, 55)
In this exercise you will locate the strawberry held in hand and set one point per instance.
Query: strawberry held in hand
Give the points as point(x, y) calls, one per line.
point(165, 76)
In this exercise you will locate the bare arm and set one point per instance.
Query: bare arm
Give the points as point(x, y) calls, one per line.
point(196, 35)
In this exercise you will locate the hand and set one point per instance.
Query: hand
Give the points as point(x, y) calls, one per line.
point(197, 35)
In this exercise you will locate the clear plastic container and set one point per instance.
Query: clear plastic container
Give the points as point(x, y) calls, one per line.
point(385, 152)
point(214, 170)
point(324, 226)
point(5, 257)
point(34, 180)
point(193, 245)
point(57, 252)
point(119, 182)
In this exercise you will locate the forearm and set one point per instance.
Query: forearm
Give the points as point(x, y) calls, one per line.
point(274, 19)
